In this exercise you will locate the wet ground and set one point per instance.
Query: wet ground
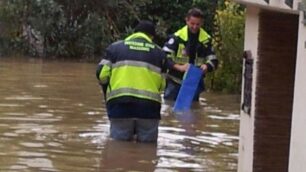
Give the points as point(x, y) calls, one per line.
point(52, 119)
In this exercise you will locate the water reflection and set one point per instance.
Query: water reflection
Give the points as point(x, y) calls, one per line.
point(52, 119)
point(124, 156)
point(200, 140)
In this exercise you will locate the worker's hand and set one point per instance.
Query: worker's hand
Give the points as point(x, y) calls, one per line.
point(181, 67)
point(204, 67)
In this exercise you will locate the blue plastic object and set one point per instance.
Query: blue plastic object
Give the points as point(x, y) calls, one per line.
point(188, 88)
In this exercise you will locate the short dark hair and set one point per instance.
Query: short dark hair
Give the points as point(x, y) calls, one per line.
point(195, 12)
point(146, 27)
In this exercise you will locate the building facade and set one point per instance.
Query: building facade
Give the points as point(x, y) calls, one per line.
point(273, 109)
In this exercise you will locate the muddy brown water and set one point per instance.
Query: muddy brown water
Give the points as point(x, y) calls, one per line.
point(52, 119)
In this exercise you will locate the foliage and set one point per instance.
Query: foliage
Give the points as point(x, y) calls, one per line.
point(228, 43)
point(10, 26)
point(73, 28)
point(56, 28)
point(82, 29)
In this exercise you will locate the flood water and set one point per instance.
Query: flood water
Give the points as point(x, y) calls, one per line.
point(52, 119)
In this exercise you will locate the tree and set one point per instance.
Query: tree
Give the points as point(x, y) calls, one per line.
point(228, 42)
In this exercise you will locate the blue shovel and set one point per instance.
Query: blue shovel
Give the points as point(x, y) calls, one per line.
point(188, 88)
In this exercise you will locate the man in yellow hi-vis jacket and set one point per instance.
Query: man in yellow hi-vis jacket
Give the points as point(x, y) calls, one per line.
point(190, 44)
point(131, 77)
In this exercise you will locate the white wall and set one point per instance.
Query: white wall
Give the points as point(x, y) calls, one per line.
point(278, 5)
point(298, 137)
point(246, 131)
point(297, 159)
